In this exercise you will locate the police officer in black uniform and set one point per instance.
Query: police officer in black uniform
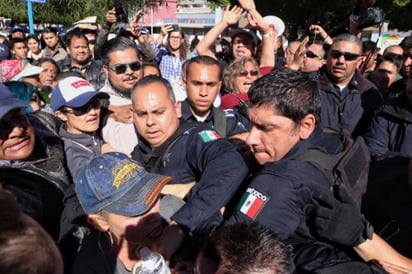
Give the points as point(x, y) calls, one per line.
point(284, 107)
point(202, 80)
point(191, 153)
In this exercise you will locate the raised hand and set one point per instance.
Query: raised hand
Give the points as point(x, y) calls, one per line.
point(232, 16)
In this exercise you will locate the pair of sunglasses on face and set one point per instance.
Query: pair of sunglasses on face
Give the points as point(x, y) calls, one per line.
point(349, 56)
point(95, 103)
point(122, 68)
point(245, 73)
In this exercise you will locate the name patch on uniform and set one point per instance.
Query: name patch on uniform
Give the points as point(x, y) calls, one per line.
point(209, 135)
point(252, 202)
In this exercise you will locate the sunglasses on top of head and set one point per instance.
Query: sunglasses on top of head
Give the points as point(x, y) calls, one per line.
point(122, 68)
point(347, 55)
point(95, 103)
point(245, 73)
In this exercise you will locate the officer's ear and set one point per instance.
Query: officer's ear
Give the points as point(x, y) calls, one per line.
point(307, 126)
point(178, 109)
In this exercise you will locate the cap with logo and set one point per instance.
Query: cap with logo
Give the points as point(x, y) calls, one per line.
point(115, 183)
point(74, 92)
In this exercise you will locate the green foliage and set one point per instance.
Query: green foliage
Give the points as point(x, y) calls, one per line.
point(214, 4)
point(401, 3)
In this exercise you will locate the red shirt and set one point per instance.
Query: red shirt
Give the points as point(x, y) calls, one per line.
point(230, 100)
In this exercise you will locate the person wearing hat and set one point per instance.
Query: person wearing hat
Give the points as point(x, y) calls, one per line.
point(27, 146)
point(29, 73)
point(121, 200)
point(4, 52)
point(77, 104)
point(17, 32)
point(28, 93)
point(244, 40)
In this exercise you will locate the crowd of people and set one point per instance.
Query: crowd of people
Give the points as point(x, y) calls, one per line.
point(134, 153)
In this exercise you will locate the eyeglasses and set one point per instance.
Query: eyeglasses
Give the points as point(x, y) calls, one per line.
point(312, 55)
point(122, 68)
point(175, 37)
point(245, 73)
point(93, 104)
point(347, 55)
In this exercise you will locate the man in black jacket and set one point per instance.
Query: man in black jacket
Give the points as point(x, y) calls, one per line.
point(284, 109)
point(206, 167)
point(32, 163)
point(348, 99)
point(79, 58)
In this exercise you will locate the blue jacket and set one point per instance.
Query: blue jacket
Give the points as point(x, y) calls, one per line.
point(391, 129)
point(235, 122)
point(389, 140)
point(278, 195)
point(351, 108)
point(198, 155)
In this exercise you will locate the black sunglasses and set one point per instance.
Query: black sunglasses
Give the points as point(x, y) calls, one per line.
point(244, 73)
point(92, 104)
point(311, 54)
point(122, 68)
point(347, 55)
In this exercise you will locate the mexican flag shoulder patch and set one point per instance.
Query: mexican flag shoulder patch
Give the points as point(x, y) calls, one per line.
point(209, 135)
point(252, 202)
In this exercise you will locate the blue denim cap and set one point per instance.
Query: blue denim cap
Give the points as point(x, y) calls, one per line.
point(8, 101)
point(115, 183)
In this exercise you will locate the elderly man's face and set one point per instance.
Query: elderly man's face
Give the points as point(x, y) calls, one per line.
point(16, 136)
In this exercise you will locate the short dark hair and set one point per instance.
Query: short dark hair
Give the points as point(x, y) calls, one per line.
point(50, 30)
point(203, 60)
point(390, 58)
point(150, 79)
point(245, 248)
point(32, 36)
point(117, 44)
point(75, 33)
point(42, 60)
point(16, 41)
point(291, 94)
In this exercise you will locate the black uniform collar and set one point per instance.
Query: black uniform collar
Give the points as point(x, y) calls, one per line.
point(187, 113)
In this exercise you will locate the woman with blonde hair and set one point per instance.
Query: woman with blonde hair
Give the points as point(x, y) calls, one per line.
point(238, 77)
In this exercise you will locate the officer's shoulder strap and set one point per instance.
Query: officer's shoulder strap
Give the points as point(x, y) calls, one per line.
point(349, 167)
point(219, 121)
